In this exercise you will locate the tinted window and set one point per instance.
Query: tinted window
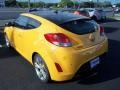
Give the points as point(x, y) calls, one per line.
point(21, 22)
point(32, 24)
point(80, 27)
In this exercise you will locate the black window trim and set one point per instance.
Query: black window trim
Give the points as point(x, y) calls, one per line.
point(29, 18)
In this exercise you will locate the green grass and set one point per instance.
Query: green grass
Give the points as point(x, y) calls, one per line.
point(117, 16)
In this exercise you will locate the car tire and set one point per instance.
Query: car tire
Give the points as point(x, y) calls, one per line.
point(41, 68)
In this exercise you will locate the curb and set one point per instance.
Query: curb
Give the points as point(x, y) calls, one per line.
point(117, 16)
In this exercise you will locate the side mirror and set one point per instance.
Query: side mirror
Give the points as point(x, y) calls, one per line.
point(9, 24)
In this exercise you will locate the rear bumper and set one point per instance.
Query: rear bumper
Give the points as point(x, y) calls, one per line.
point(86, 71)
point(72, 60)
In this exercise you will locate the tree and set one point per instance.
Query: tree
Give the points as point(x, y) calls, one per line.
point(88, 4)
point(107, 4)
point(32, 4)
point(10, 3)
point(66, 3)
point(118, 4)
point(74, 3)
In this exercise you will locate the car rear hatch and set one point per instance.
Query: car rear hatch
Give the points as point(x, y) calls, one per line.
point(85, 33)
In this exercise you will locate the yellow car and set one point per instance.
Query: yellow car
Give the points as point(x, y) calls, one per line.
point(57, 44)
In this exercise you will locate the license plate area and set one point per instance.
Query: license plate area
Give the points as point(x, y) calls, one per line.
point(94, 62)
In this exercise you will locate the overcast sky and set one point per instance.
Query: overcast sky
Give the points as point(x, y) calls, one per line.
point(113, 1)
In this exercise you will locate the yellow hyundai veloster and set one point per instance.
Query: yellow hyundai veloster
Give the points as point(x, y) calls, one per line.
point(57, 44)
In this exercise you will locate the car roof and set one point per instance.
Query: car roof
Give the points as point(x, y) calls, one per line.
point(57, 16)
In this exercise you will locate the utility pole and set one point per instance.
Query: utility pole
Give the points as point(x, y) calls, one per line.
point(79, 4)
point(34, 4)
point(90, 3)
point(74, 2)
point(97, 3)
point(28, 4)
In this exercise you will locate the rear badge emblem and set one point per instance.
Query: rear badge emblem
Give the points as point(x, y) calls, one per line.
point(92, 37)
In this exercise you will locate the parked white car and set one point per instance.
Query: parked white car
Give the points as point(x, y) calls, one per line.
point(96, 14)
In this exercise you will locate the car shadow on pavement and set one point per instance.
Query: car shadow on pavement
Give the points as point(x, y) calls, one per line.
point(110, 29)
point(108, 21)
point(109, 69)
point(2, 39)
point(6, 52)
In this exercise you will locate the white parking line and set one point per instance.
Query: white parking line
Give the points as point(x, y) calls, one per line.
point(0, 45)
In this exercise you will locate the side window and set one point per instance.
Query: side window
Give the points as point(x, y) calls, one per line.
point(21, 22)
point(33, 24)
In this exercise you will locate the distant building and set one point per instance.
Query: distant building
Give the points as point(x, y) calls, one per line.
point(2, 3)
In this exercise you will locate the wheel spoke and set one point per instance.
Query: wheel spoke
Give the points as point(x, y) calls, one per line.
point(43, 73)
point(40, 68)
point(37, 66)
point(7, 41)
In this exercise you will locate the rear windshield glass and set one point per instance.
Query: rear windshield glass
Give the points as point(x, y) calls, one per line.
point(80, 26)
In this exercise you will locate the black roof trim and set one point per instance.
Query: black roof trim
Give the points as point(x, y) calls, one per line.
point(59, 17)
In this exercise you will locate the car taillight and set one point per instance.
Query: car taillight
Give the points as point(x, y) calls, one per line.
point(101, 30)
point(58, 39)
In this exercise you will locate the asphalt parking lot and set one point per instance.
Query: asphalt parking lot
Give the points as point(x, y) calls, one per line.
point(10, 13)
point(17, 74)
